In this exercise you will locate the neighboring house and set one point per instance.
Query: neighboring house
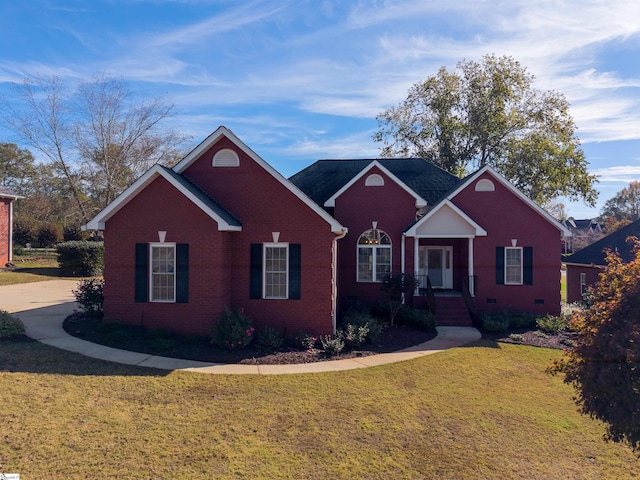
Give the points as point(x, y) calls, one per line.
point(583, 232)
point(223, 228)
point(7, 197)
point(584, 267)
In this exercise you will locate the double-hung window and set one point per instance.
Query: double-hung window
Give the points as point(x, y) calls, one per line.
point(583, 283)
point(276, 271)
point(163, 272)
point(374, 256)
point(513, 265)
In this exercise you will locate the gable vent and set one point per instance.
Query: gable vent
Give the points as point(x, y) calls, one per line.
point(226, 158)
point(374, 180)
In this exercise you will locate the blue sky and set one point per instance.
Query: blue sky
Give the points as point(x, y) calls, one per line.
point(300, 80)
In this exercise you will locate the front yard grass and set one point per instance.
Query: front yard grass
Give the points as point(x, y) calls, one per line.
point(487, 411)
point(35, 266)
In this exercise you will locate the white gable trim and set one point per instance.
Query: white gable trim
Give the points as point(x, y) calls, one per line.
point(98, 222)
point(420, 202)
point(222, 131)
point(506, 183)
point(413, 231)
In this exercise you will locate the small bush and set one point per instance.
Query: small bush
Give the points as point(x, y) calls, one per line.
point(332, 344)
point(517, 337)
point(9, 325)
point(305, 341)
point(18, 250)
point(354, 335)
point(421, 319)
point(270, 339)
point(80, 258)
point(552, 324)
point(90, 296)
point(540, 334)
point(23, 234)
point(495, 323)
point(233, 330)
point(73, 233)
point(380, 311)
point(518, 320)
point(361, 318)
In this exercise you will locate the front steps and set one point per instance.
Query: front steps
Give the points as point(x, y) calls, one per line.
point(451, 311)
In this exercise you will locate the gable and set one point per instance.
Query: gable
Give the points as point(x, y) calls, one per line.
point(594, 254)
point(446, 221)
point(225, 221)
point(484, 196)
point(373, 179)
point(198, 164)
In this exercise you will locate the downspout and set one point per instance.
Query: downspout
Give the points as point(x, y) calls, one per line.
point(334, 287)
point(10, 231)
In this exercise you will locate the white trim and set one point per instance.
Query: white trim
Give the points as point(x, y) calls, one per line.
point(472, 287)
point(284, 245)
point(153, 245)
point(221, 132)
point(413, 231)
point(98, 222)
point(10, 231)
point(590, 265)
point(420, 202)
point(537, 208)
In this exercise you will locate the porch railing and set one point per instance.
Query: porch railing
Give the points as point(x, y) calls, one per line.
point(424, 289)
point(469, 286)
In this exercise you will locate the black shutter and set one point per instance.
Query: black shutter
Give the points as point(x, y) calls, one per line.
point(182, 273)
point(142, 273)
point(527, 261)
point(499, 265)
point(295, 273)
point(255, 281)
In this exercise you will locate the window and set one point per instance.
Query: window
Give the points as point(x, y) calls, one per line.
point(583, 283)
point(275, 271)
point(163, 273)
point(374, 256)
point(226, 158)
point(374, 180)
point(513, 265)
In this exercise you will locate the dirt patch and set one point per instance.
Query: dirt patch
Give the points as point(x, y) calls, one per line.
point(138, 339)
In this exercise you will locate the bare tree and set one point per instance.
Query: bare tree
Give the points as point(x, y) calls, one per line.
point(99, 137)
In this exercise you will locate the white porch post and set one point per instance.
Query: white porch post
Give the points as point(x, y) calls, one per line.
point(471, 283)
point(416, 264)
point(402, 254)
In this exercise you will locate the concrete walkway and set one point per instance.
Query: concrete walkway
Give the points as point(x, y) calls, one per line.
point(42, 306)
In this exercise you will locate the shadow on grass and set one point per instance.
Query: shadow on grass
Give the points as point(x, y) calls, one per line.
point(44, 271)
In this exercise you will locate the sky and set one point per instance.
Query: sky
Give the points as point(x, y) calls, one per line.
point(301, 80)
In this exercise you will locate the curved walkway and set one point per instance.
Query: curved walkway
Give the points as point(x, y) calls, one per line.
point(42, 306)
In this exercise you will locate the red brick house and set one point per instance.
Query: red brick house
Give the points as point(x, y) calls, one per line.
point(584, 267)
point(7, 197)
point(223, 228)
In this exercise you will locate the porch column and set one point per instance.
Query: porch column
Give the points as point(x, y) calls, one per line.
point(402, 254)
point(416, 260)
point(471, 282)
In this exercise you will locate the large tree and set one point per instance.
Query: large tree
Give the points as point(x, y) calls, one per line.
point(488, 113)
point(604, 366)
point(624, 206)
point(98, 136)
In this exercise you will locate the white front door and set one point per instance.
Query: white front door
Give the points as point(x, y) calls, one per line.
point(437, 263)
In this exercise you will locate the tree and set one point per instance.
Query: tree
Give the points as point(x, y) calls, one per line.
point(625, 205)
point(98, 137)
point(604, 366)
point(487, 113)
point(16, 168)
point(396, 287)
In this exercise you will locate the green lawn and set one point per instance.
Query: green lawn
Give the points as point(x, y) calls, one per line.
point(487, 411)
point(35, 267)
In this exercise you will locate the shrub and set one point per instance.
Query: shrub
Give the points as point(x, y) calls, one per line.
point(9, 325)
point(305, 341)
point(516, 337)
point(552, 324)
point(360, 318)
point(519, 320)
point(233, 330)
point(270, 339)
point(421, 319)
point(48, 235)
point(23, 234)
point(90, 296)
point(395, 287)
point(81, 258)
point(159, 344)
point(332, 344)
point(354, 335)
point(73, 233)
point(495, 323)
point(380, 311)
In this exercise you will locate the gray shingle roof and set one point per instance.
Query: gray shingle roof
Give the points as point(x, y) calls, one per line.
point(5, 192)
point(616, 241)
point(206, 199)
point(325, 177)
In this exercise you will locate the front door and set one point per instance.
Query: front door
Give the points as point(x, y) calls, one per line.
point(437, 263)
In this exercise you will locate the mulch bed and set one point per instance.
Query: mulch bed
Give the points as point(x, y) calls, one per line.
point(137, 339)
point(535, 338)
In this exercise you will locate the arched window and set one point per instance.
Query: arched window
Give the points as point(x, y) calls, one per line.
point(226, 158)
point(374, 180)
point(374, 256)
